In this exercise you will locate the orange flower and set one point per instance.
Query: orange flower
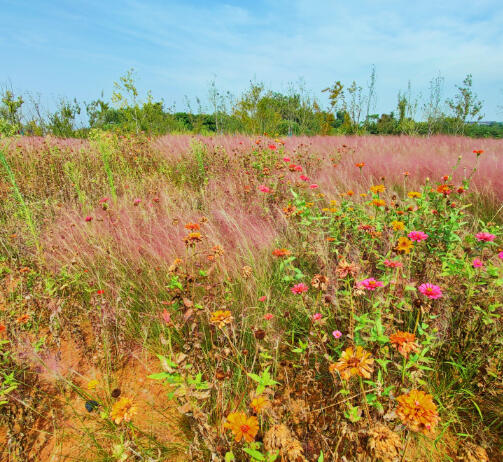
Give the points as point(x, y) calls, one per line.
point(378, 203)
point(417, 410)
point(404, 245)
point(221, 318)
point(398, 225)
point(192, 226)
point(2, 328)
point(444, 189)
point(281, 253)
point(259, 404)
point(404, 342)
point(242, 426)
point(478, 151)
point(360, 165)
point(350, 193)
point(23, 319)
point(354, 362)
point(192, 239)
point(289, 210)
point(123, 410)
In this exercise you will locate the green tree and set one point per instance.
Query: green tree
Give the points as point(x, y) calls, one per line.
point(465, 104)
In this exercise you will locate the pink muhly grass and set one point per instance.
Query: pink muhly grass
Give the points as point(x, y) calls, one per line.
point(430, 290)
point(485, 237)
point(370, 284)
point(417, 236)
point(299, 288)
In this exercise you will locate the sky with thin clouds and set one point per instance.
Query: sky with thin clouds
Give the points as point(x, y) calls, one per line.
point(78, 49)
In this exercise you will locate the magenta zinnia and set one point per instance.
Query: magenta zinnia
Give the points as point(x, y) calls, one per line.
point(485, 237)
point(371, 284)
point(417, 236)
point(430, 290)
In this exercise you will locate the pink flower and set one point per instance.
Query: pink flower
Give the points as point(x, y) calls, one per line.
point(286, 159)
point(104, 199)
point(393, 263)
point(298, 168)
point(417, 236)
point(430, 290)
point(317, 316)
point(486, 237)
point(272, 147)
point(371, 284)
point(477, 263)
point(100, 292)
point(299, 288)
point(304, 178)
point(500, 255)
point(264, 188)
point(268, 316)
point(136, 202)
point(313, 186)
point(337, 333)
point(263, 298)
point(88, 218)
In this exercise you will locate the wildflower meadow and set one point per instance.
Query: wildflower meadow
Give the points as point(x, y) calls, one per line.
point(237, 298)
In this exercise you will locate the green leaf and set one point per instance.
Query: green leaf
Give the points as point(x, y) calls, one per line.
point(257, 455)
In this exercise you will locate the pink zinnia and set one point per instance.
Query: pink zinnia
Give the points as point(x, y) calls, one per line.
point(298, 168)
point(272, 147)
point(264, 188)
point(371, 284)
point(136, 201)
point(317, 316)
point(477, 263)
point(417, 236)
point(393, 263)
point(268, 316)
point(304, 178)
point(262, 299)
point(500, 255)
point(299, 288)
point(430, 290)
point(103, 200)
point(486, 237)
point(337, 333)
point(313, 186)
point(88, 219)
point(286, 159)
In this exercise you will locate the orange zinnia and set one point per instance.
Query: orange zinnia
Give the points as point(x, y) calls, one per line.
point(281, 253)
point(417, 411)
point(354, 362)
point(242, 426)
point(404, 342)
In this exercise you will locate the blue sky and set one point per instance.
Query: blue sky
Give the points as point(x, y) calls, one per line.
point(71, 48)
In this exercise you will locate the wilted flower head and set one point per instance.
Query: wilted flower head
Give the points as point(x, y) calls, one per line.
point(299, 288)
point(123, 410)
point(354, 362)
point(404, 342)
point(417, 236)
point(430, 290)
point(345, 268)
point(320, 282)
point(485, 237)
point(384, 444)
point(417, 411)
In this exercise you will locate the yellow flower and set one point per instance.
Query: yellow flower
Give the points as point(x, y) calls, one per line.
point(378, 188)
point(404, 245)
point(398, 225)
point(242, 426)
point(325, 210)
point(259, 404)
point(417, 410)
point(333, 210)
point(414, 194)
point(91, 385)
point(220, 318)
point(354, 362)
point(363, 195)
point(123, 410)
point(333, 202)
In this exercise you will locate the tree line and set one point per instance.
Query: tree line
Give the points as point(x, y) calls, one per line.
point(257, 110)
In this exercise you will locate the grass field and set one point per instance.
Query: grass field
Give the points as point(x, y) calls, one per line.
point(251, 299)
